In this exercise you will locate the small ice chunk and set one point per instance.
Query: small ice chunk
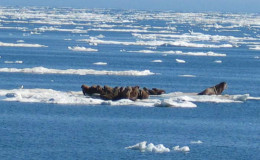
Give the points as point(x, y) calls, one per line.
point(100, 63)
point(218, 61)
point(196, 142)
point(181, 149)
point(180, 61)
point(157, 61)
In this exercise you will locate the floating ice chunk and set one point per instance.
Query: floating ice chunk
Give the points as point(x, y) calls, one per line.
point(180, 61)
point(160, 148)
point(17, 62)
point(212, 54)
point(82, 49)
point(157, 61)
point(100, 63)
point(20, 41)
point(175, 103)
point(187, 75)
point(100, 36)
point(196, 142)
point(256, 47)
point(139, 146)
point(218, 61)
point(240, 97)
point(21, 45)
point(181, 149)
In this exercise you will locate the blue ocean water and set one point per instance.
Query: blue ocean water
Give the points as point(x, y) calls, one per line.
point(48, 53)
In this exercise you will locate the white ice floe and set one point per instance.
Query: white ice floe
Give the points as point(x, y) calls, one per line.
point(181, 149)
point(142, 147)
point(82, 49)
point(213, 54)
point(175, 99)
point(193, 97)
point(43, 70)
point(100, 63)
point(187, 75)
point(256, 47)
point(218, 61)
point(2, 44)
point(175, 103)
point(20, 41)
point(157, 61)
point(196, 142)
point(17, 62)
point(180, 61)
point(157, 43)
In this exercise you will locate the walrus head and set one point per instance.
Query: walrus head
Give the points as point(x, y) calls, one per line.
point(85, 89)
point(220, 87)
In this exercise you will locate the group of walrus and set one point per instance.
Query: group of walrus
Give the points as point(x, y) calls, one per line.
point(134, 93)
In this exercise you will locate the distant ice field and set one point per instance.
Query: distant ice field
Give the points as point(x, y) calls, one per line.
point(46, 54)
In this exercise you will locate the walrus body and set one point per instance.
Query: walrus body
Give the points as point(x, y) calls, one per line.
point(215, 90)
point(117, 93)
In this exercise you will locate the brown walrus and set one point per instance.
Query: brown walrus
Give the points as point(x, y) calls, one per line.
point(134, 93)
point(143, 94)
point(215, 90)
point(109, 93)
point(91, 90)
point(154, 91)
point(126, 93)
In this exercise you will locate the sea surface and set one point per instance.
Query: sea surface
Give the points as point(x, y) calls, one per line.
point(46, 54)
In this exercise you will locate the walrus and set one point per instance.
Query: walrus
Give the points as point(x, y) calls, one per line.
point(154, 91)
point(91, 90)
point(134, 93)
point(143, 94)
point(126, 93)
point(110, 94)
point(215, 90)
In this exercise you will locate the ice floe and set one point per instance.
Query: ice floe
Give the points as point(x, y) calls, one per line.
point(180, 61)
point(180, 53)
point(218, 61)
point(174, 99)
point(100, 63)
point(43, 70)
point(178, 43)
point(256, 47)
point(142, 147)
point(181, 149)
point(82, 49)
point(196, 142)
point(2, 44)
point(157, 61)
point(17, 62)
point(187, 75)
point(160, 148)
